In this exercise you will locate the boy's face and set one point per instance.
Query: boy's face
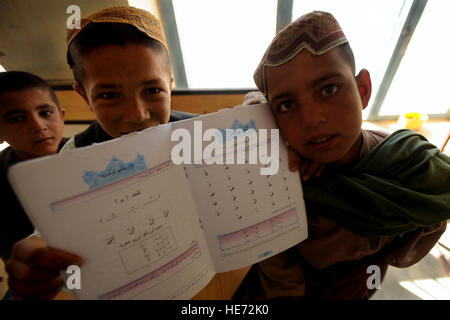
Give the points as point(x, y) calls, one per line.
point(128, 88)
point(30, 122)
point(318, 105)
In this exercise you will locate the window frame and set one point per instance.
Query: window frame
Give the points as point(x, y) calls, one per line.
point(284, 16)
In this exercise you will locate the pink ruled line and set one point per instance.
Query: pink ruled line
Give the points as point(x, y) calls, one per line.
point(224, 238)
point(151, 276)
point(88, 195)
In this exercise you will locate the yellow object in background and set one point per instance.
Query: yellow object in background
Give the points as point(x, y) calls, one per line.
point(412, 120)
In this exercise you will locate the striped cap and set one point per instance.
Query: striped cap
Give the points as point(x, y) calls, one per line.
point(318, 32)
point(141, 19)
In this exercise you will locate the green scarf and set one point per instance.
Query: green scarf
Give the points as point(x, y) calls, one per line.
point(401, 184)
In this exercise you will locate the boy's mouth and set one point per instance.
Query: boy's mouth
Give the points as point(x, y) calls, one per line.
point(320, 139)
point(322, 143)
point(44, 140)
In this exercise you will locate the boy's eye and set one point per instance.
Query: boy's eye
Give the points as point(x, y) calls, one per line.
point(15, 119)
point(285, 106)
point(46, 113)
point(152, 90)
point(108, 95)
point(329, 90)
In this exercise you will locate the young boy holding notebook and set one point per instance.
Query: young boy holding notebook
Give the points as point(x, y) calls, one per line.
point(120, 61)
point(381, 199)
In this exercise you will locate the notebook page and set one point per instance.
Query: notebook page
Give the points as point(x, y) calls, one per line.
point(246, 216)
point(126, 210)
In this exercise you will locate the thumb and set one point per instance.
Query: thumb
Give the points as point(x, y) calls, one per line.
point(294, 159)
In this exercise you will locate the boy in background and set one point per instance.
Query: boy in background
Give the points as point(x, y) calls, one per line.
point(121, 64)
point(381, 199)
point(31, 122)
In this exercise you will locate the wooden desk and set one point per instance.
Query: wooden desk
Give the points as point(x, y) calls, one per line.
point(4, 279)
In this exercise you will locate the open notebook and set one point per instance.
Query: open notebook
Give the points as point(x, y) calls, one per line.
point(151, 229)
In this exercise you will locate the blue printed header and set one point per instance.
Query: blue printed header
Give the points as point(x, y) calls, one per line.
point(239, 130)
point(116, 170)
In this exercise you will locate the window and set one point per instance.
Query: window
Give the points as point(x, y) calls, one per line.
point(371, 27)
point(223, 45)
point(217, 44)
point(3, 145)
point(421, 82)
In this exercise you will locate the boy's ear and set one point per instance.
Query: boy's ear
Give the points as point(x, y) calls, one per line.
point(81, 92)
point(364, 86)
point(62, 112)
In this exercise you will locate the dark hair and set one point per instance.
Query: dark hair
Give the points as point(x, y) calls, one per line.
point(11, 81)
point(347, 54)
point(96, 35)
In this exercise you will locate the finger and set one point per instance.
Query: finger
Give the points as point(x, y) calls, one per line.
point(294, 159)
point(303, 168)
point(20, 271)
point(53, 259)
point(311, 170)
point(23, 248)
point(320, 170)
point(35, 251)
point(46, 290)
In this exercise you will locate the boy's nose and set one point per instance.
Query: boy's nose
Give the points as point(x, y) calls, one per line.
point(312, 115)
point(38, 124)
point(137, 111)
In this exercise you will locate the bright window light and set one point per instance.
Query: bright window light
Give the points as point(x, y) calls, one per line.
point(223, 41)
point(429, 289)
point(371, 27)
point(421, 82)
point(417, 291)
point(147, 5)
point(368, 25)
point(3, 146)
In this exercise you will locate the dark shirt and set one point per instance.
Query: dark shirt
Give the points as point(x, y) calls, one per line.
point(14, 224)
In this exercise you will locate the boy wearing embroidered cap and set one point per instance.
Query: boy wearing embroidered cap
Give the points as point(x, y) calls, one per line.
point(121, 65)
point(122, 68)
point(381, 200)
